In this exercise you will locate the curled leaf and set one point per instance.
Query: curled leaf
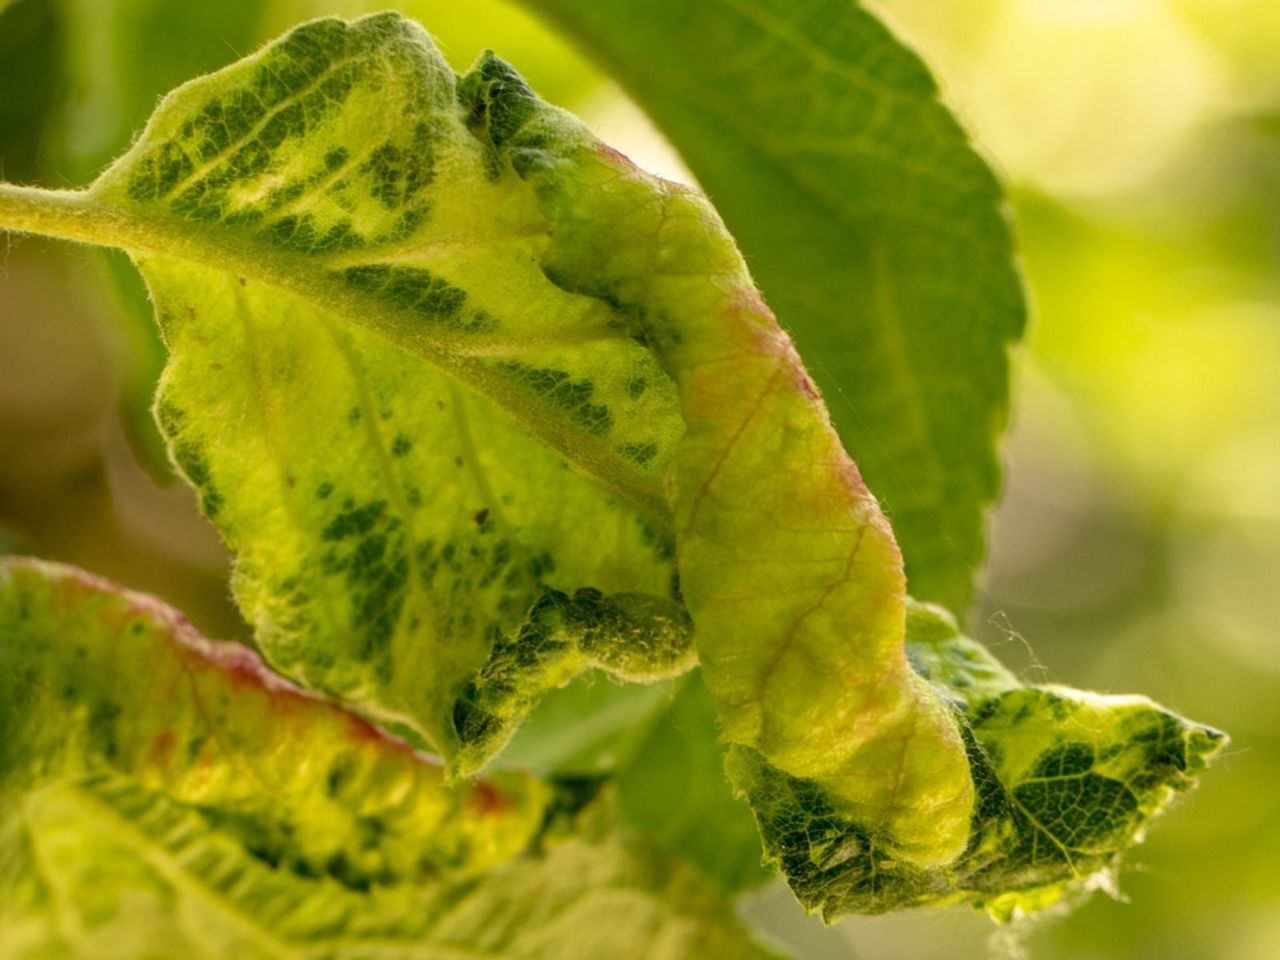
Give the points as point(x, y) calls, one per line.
point(948, 779)
point(1065, 781)
point(466, 390)
point(874, 227)
point(787, 566)
point(441, 474)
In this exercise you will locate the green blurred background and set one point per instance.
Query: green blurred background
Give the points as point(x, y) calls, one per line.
point(1137, 546)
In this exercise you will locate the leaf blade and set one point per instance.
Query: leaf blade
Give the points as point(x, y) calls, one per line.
point(786, 562)
point(876, 232)
point(293, 829)
point(908, 735)
point(1066, 782)
point(335, 180)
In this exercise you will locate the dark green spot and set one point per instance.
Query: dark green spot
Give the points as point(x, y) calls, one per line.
point(639, 453)
point(355, 522)
point(430, 298)
point(560, 390)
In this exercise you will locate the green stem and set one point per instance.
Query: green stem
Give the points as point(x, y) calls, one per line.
point(65, 214)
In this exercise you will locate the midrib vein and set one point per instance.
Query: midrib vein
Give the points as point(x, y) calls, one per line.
point(84, 217)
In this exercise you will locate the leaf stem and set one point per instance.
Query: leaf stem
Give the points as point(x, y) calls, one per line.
point(65, 214)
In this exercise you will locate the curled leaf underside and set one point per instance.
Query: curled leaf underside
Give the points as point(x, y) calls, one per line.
point(1064, 781)
point(480, 405)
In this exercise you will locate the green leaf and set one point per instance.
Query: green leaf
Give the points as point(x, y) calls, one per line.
point(30, 84)
point(1065, 782)
point(162, 795)
point(672, 786)
point(875, 231)
point(660, 746)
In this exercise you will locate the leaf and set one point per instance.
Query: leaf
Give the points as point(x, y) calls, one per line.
point(793, 579)
point(343, 172)
point(99, 681)
point(162, 795)
point(590, 272)
point(875, 231)
point(408, 536)
point(29, 84)
point(1065, 782)
point(673, 787)
point(787, 566)
point(123, 730)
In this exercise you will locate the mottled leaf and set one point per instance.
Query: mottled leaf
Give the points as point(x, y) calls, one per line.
point(871, 225)
point(542, 277)
point(162, 795)
point(787, 566)
point(1065, 782)
point(120, 723)
point(795, 584)
point(409, 534)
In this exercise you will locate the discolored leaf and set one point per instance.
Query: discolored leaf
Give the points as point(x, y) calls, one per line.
point(873, 228)
point(163, 795)
point(465, 390)
point(408, 534)
point(1065, 782)
point(182, 770)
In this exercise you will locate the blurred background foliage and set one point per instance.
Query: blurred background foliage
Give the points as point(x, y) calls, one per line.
point(1137, 546)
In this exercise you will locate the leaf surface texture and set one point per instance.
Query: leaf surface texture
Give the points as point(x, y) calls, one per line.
point(397, 422)
point(480, 405)
point(873, 226)
point(162, 795)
